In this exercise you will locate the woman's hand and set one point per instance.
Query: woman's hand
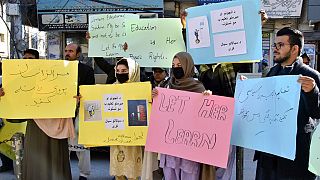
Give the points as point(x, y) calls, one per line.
point(1, 92)
point(78, 98)
point(242, 77)
point(125, 47)
point(87, 35)
point(154, 93)
point(207, 92)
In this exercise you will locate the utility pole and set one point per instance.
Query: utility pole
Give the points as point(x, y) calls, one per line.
point(17, 44)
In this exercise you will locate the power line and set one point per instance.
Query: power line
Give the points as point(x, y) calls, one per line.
point(55, 15)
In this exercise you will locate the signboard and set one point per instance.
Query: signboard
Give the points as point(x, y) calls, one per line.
point(38, 89)
point(225, 32)
point(108, 34)
point(116, 114)
point(191, 126)
point(73, 14)
point(266, 115)
point(154, 42)
point(151, 42)
point(282, 8)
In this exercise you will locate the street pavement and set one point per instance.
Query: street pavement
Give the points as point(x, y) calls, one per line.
point(100, 167)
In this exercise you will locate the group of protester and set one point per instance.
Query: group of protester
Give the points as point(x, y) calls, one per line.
point(46, 154)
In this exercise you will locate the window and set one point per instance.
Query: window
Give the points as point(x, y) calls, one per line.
point(1, 37)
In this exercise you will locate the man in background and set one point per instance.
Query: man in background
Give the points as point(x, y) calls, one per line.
point(85, 77)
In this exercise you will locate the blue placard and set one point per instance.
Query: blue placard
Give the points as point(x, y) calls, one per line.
point(266, 111)
point(212, 48)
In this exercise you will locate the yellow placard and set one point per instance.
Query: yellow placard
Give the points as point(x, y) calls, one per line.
point(114, 114)
point(38, 89)
point(6, 132)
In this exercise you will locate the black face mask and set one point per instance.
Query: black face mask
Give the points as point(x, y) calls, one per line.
point(122, 78)
point(178, 72)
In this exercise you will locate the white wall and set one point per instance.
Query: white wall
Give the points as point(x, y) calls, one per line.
point(4, 46)
point(35, 39)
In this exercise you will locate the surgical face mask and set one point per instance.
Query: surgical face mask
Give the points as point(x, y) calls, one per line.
point(178, 72)
point(122, 78)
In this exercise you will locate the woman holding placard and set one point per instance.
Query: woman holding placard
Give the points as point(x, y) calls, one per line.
point(126, 161)
point(176, 168)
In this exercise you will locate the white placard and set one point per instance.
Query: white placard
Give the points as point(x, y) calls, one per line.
point(227, 19)
point(113, 103)
point(229, 44)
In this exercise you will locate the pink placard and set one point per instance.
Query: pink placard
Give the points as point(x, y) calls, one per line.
point(191, 126)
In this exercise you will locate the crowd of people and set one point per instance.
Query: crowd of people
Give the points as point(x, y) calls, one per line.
point(46, 153)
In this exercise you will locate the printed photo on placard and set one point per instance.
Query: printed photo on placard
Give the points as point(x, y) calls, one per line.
point(92, 111)
point(137, 112)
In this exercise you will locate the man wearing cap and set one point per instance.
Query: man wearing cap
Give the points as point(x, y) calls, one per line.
point(160, 77)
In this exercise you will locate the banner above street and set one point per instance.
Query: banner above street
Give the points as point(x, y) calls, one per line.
point(73, 14)
point(282, 8)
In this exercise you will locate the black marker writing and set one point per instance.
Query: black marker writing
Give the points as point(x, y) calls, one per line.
point(189, 138)
point(173, 103)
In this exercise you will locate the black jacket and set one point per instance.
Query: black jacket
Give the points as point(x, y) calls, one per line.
point(107, 68)
point(85, 75)
point(308, 107)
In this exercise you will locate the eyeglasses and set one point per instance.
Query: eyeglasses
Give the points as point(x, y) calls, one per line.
point(279, 45)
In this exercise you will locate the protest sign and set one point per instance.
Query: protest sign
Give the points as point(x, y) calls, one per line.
point(114, 114)
point(266, 115)
point(191, 126)
point(38, 89)
point(108, 34)
point(225, 32)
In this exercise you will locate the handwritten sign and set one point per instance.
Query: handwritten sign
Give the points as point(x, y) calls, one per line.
point(39, 89)
point(266, 115)
point(154, 42)
point(314, 158)
point(108, 34)
point(122, 112)
point(191, 126)
point(6, 132)
point(282, 8)
point(199, 32)
point(227, 19)
point(234, 30)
